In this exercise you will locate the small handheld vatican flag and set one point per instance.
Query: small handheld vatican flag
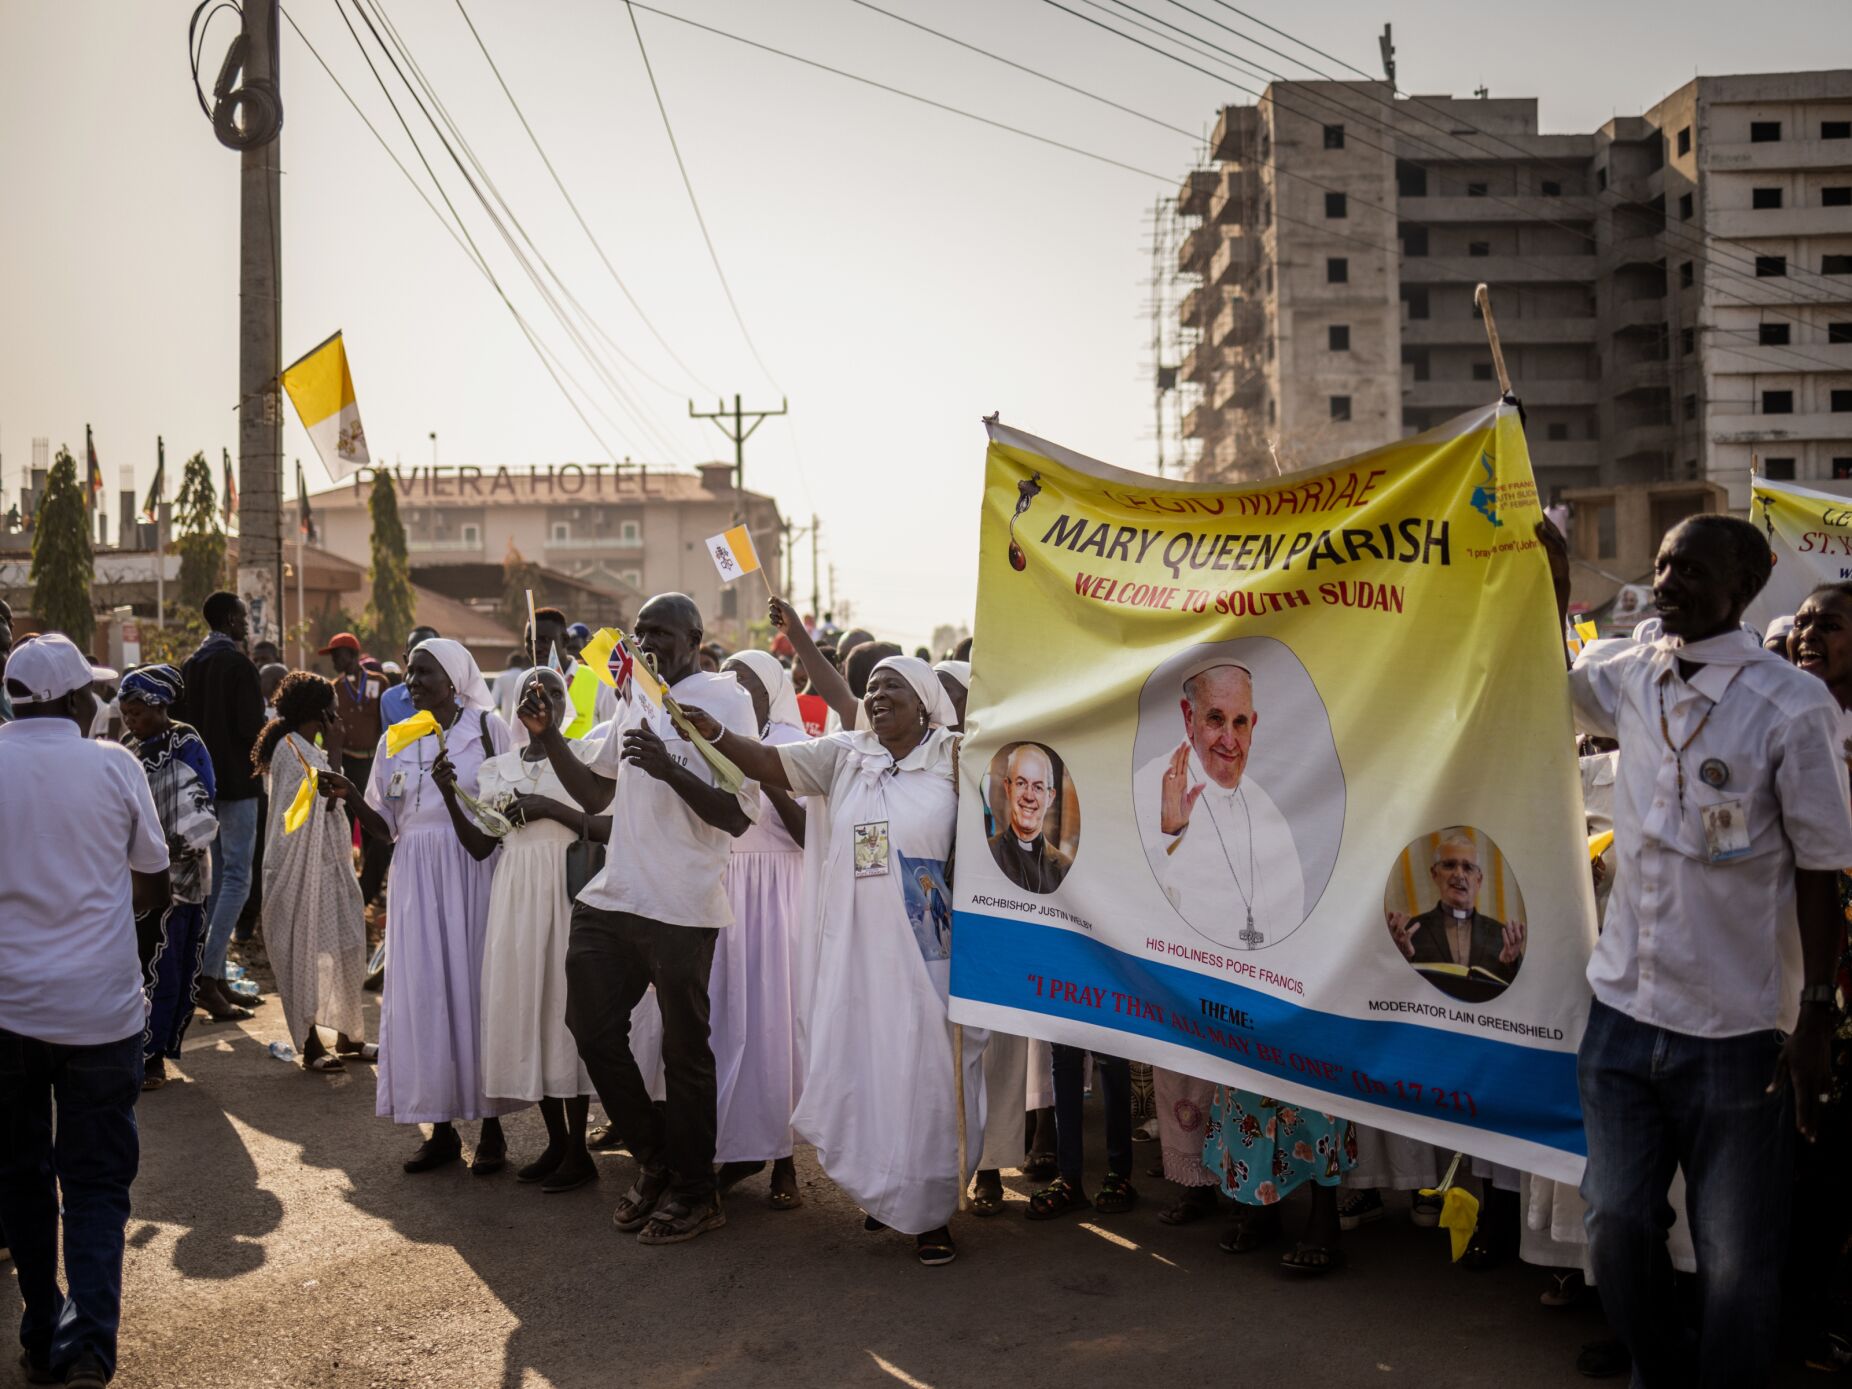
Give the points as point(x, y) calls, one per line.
point(733, 555)
point(323, 392)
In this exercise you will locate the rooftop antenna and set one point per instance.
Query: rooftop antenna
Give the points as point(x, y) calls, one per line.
point(1387, 44)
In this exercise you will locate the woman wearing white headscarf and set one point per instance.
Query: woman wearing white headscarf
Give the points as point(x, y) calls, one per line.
point(878, 1092)
point(437, 911)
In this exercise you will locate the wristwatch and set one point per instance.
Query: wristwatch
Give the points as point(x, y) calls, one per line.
point(1817, 993)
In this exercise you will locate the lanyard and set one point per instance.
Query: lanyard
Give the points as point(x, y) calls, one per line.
point(356, 691)
point(1678, 750)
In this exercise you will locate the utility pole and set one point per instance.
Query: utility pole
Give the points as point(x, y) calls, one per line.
point(247, 116)
point(739, 432)
point(816, 588)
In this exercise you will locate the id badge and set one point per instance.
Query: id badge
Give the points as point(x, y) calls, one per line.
point(871, 849)
point(1726, 831)
point(395, 789)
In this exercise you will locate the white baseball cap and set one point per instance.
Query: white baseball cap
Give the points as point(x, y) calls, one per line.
point(49, 667)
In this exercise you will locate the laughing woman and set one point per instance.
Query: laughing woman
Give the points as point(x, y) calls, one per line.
point(437, 914)
point(878, 1094)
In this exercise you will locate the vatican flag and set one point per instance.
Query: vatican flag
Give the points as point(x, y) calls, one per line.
point(323, 392)
point(732, 553)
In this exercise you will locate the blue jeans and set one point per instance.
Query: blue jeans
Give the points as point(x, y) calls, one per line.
point(91, 1163)
point(231, 880)
point(1114, 1075)
point(1653, 1101)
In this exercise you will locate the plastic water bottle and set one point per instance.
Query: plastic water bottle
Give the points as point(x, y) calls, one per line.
point(233, 970)
point(282, 1051)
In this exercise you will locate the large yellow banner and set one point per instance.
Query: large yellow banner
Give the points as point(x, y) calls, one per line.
point(1811, 534)
point(1276, 785)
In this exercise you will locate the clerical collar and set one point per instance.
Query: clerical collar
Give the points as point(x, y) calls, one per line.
point(1026, 845)
point(1456, 913)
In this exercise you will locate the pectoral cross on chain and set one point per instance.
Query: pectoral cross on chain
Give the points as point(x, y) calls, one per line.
point(1250, 937)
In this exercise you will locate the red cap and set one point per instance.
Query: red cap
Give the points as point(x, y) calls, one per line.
point(340, 641)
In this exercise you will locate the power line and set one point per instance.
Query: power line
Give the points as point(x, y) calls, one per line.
point(463, 230)
point(632, 408)
point(694, 202)
point(1165, 179)
point(1020, 67)
point(584, 226)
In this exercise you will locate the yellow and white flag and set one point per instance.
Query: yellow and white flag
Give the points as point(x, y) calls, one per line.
point(323, 392)
point(297, 815)
point(1810, 532)
point(732, 553)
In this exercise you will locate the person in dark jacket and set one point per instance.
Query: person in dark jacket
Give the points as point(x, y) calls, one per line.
point(225, 703)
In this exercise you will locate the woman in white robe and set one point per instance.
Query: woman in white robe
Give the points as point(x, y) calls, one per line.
point(314, 923)
point(879, 1091)
point(528, 1054)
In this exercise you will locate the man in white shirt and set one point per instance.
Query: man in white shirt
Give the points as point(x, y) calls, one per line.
point(653, 917)
point(1230, 865)
point(87, 852)
point(1707, 1041)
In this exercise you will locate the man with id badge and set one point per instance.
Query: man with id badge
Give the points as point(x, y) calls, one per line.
point(653, 917)
point(1707, 1040)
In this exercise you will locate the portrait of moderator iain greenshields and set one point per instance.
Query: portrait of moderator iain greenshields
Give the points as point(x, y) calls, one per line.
point(1224, 853)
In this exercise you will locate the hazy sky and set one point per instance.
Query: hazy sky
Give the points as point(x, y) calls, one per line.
point(902, 270)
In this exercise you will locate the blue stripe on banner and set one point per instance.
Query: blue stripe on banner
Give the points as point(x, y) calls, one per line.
point(1502, 1087)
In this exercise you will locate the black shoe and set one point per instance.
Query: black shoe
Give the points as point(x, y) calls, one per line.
point(570, 1177)
point(604, 1139)
point(434, 1152)
point(36, 1373)
point(1603, 1360)
point(85, 1372)
point(219, 1005)
point(541, 1167)
point(490, 1158)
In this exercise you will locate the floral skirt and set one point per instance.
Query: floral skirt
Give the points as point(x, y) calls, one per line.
point(1262, 1149)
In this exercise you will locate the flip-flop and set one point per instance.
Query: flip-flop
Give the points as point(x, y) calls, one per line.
point(784, 1200)
point(984, 1203)
point(935, 1253)
point(1245, 1236)
point(366, 1051)
point(326, 1063)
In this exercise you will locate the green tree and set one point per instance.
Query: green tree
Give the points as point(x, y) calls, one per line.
point(518, 576)
point(389, 612)
point(200, 541)
point(62, 560)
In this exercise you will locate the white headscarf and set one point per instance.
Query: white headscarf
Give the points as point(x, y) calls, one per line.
point(939, 710)
point(958, 670)
point(781, 694)
point(472, 690)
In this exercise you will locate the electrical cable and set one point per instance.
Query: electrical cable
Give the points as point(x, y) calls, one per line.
point(632, 408)
point(584, 226)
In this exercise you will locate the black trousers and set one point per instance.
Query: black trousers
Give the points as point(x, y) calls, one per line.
point(375, 854)
point(611, 959)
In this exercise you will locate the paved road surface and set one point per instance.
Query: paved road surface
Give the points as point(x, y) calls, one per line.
point(275, 1242)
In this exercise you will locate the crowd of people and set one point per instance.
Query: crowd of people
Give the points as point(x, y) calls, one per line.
point(694, 911)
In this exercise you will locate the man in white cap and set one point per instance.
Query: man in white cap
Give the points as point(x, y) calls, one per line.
point(1230, 865)
point(71, 1006)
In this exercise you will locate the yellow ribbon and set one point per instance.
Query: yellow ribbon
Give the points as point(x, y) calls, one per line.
point(1459, 1209)
point(298, 813)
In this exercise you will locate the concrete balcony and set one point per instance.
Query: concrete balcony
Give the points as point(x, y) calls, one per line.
point(1623, 378)
point(1194, 251)
point(1236, 195)
point(1235, 128)
point(1777, 154)
point(1779, 429)
point(1234, 258)
point(1565, 453)
point(1513, 332)
point(1646, 312)
point(1236, 389)
point(594, 542)
point(1633, 250)
point(1780, 222)
point(1203, 422)
point(1742, 287)
point(1193, 196)
point(1463, 394)
point(1496, 270)
point(1239, 320)
point(443, 545)
point(1201, 362)
point(1505, 210)
point(1198, 305)
point(1643, 441)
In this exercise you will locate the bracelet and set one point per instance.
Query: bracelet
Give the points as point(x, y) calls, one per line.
point(1817, 993)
